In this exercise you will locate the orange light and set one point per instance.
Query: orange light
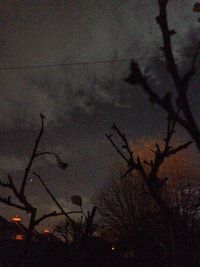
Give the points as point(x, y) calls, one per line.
point(16, 219)
point(19, 237)
point(46, 232)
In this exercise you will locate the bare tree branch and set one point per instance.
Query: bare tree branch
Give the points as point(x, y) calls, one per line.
point(8, 202)
point(179, 148)
point(27, 169)
point(181, 83)
point(126, 145)
point(54, 199)
point(167, 49)
point(116, 147)
point(25, 204)
point(46, 216)
point(151, 179)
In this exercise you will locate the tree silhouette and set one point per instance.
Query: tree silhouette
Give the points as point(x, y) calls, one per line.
point(171, 102)
point(22, 201)
point(179, 111)
point(129, 214)
point(85, 226)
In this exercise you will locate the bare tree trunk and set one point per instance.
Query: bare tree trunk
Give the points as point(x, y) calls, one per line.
point(28, 240)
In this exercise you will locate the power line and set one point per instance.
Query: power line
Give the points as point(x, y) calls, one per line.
point(56, 65)
point(62, 64)
point(74, 63)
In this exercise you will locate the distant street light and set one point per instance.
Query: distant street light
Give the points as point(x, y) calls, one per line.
point(16, 219)
point(19, 237)
point(46, 232)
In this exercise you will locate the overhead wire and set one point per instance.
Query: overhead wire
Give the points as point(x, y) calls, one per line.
point(55, 65)
point(63, 64)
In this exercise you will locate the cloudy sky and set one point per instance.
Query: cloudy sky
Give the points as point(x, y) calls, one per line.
point(46, 54)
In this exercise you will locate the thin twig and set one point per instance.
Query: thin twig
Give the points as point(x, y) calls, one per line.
point(27, 169)
point(54, 199)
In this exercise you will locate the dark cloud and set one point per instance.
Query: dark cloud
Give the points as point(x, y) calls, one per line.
point(81, 101)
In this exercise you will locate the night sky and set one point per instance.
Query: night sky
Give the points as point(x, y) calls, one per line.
point(81, 101)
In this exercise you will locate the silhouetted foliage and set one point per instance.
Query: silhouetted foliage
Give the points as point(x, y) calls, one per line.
point(130, 217)
point(170, 102)
point(85, 225)
point(179, 111)
point(22, 201)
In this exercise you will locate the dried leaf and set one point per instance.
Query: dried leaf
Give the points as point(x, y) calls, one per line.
point(77, 200)
point(61, 164)
point(42, 116)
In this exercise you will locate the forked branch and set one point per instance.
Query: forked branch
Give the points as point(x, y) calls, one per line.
point(185, 118)
point(151, 177)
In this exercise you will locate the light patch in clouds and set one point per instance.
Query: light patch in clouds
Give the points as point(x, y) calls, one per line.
point(21, 106)
point(69, 92)
point(89, 32)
